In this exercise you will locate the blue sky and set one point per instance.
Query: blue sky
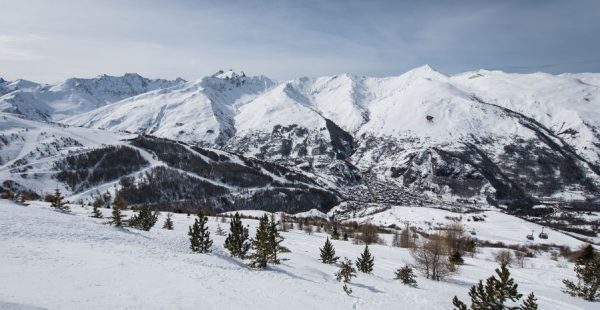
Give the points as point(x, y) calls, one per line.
point(49, 41)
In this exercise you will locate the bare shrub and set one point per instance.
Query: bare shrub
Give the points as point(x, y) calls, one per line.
point(367, 234)
point(431, 258)
point(308, 229)
point(504, 257)
point(520, 258)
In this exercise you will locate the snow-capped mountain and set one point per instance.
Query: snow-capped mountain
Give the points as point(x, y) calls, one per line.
point(200, 111)
point(488, 136)
point(482, 137)
point(73, 96)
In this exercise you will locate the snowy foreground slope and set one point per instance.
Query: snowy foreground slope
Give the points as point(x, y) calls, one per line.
point(70, 261)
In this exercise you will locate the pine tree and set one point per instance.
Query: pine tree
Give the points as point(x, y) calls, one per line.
point(345, 238)
point(275, 240)
point(587, 254)
point(199, 235)
point(530, 303)
point(261, 245)
point(237, 241)
point(116, 218)
point(168, 222)
point(219, 231)
point(406, 275)
point(335, 234)
point(96, 213)
point(495, 293)
point(456, 259)
point(144, 220)
point(58, 202)
point(588, 279)
point(96, 205)
point(345, 275)
point(328, 253)
point(365, 262)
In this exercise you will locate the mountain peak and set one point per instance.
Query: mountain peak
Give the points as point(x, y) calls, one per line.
point(424, 71)
point(229, 74)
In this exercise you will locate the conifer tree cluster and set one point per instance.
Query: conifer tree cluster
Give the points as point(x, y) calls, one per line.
point(406, 275)
point(345, 274)
point(58, 202)
point(237, 242)
point(328, 253)
point(200, 241)
point(365, 262)
point(144, 220)
point(496, 293)
point(168, 224)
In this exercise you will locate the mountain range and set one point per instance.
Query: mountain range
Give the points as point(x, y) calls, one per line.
point(475, 138)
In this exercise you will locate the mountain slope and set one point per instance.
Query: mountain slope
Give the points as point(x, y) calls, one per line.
point(37, 157)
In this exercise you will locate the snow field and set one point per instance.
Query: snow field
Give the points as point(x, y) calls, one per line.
point(71, 261)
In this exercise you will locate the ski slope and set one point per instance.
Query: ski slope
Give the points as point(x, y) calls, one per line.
point(52, 260)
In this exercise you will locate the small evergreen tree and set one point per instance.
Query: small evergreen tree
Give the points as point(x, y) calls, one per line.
point(588, 279)
point(116, 217)
point(530, 303)
point(237, 241)
point(365, 262)
point(335, 234)
point(58, 202)
point(199, 235)
point(220, 231)
point(345, 275)
point(261, 245)
point(168, 224)
point(495, 293)
point(345, 238)
point(328, 253)
point(456, 258)
point(275, 240)
point(96, 213)
point(587, 253)
point(144, 220)
point(406, 275)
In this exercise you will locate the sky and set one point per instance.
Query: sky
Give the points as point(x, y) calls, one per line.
point(49, 41)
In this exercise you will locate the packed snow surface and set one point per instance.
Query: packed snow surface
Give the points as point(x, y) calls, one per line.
point(53, 260)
